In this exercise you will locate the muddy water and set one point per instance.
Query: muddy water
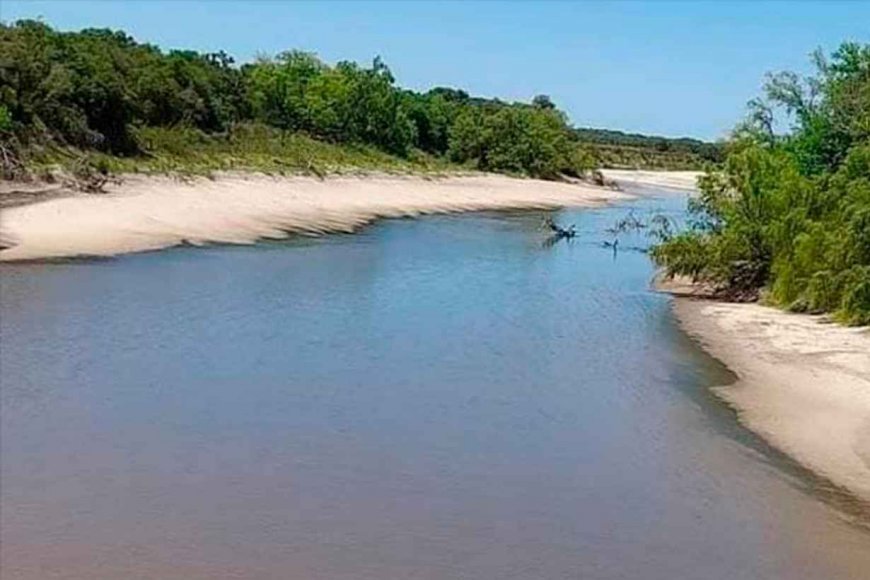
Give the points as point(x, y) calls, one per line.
point(441, 398)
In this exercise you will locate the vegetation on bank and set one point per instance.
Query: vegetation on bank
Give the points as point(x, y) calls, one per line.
point(256, 147)
point(788, 215)
point(616, 149)
point(97, 100)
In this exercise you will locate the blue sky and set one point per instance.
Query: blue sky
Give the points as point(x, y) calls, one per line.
point(671, 68)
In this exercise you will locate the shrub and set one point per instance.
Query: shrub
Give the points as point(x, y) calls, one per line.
point(791, 214)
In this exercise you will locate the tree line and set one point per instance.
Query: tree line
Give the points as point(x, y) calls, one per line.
point(787, 217)
point(97, 89)
point(712, 152)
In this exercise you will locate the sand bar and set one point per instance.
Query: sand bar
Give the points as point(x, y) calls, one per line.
point(804, 383)
point(676, 180)
point(149, 213)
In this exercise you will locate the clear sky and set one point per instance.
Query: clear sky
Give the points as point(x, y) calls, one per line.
point(671, 68)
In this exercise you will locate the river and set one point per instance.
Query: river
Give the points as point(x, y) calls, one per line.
point(441, 398)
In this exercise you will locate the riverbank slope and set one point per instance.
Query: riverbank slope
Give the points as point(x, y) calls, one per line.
point(148, 213)
point(803, 383)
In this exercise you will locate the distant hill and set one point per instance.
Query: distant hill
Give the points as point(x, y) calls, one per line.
point(611, 148)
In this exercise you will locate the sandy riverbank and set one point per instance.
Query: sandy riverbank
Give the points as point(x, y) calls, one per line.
point(148, 213)
point(677, 180)
point(804, 383)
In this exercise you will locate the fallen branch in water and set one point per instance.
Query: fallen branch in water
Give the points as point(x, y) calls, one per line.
point(559, 231)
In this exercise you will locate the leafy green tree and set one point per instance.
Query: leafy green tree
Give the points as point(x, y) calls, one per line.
point(519, 139)
point(788, 216)
point(432, 115)
point(278, 89)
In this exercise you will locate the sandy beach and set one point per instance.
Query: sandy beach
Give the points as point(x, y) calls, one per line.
point(804, 383)
point(676, 180)
point(149, 213)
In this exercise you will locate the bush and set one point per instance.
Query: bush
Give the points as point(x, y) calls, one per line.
point(855, 304)
point(514, 139)
point(791, 214)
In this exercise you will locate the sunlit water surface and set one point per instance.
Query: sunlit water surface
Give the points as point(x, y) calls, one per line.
point(443, 398)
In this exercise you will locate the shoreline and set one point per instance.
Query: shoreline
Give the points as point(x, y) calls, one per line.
point(154, 212)
point(803, 382)
point(144, 212)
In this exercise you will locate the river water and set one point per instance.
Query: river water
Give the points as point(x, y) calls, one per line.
point(442, 398)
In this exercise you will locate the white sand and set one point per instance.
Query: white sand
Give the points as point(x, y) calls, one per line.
point(804, 383)
point(678, 180)
point(148, 213)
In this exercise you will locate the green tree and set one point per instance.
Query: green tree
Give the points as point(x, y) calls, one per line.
point(788, 216)
point(278, 89)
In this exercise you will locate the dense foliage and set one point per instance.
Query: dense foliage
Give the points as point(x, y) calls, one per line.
point(789, 215)
point(101, 91)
